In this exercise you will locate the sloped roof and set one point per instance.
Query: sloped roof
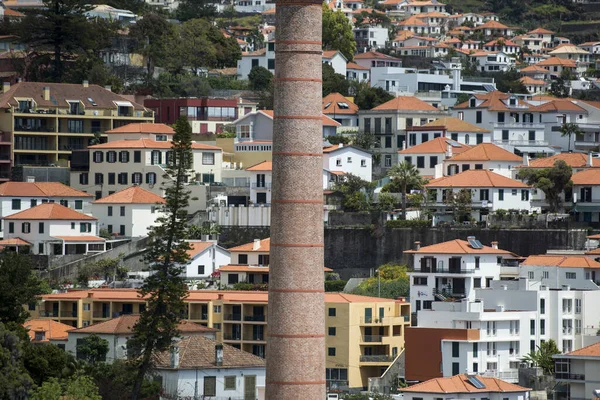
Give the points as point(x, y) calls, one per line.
point(526, 80)
point(198, 352)
point(331, 104)
point(197, 247)
point(50, 211)
point(353, 65)
point(14, 242)
point(586, 177)
point(574, 160)
point(252, 268)
point(147, 144)
point(486, 152)
point(405, 103)
point(374, 54)
point(592, 350)
point(507, 42)
point(61, 92)
point(413, 20)
point(572, 261)
point(264, 246)
point(123, 325)
point(143, 127)
point(326, 120)
point(558, 105)
point(460, 384)
point(80, 238)
point(457, 246)
point(481, 178)
point(53, 330)
point(534, 68)
point(558, 61)
point(262, 166)
point(131, 195)
point(39, 189)
point(436, 145)
point(568, 49)
point(453, 124)
point(494, 101)
point(541, 30)
point(491, 25)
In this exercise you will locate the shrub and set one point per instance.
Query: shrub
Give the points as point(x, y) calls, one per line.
point(409, 223)
point(335, 286)
point(250, 286)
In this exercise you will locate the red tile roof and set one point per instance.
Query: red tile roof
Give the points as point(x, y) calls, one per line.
point(39, 189)
point(252, 269)
point(437, 145)
point(352, 65)
point(14, 242)
point(589, 176)
point(262, 166)
point(80, 238)
point(541, 30)
point(457, 246)
point(331, 105)
point(494, 101)
point(52, 329)
point(51, 211)
point(460, 384)
point(123, 325)
point(453, 124)
point(574, 160)
point(574, 261)
point(147, 144)
point(557, 61)
point(405, 103)
point(264, 246)
point(592, 350)
point(143, 127)
point(131, 195)
point(486, 152)
point(197, 247)
point(475, 178)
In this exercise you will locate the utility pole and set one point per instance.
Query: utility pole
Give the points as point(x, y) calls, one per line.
point(296, 344)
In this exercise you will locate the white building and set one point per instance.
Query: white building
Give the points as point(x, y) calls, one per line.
point(206, 257)
point(349, 160)
point(355, 72)
point(578, 372)
point(426, 156)
point(371, 59)
point(488, 190)
point(451, 128)
point(465, 387)
point(54, 230)
point(342, 110)
point(19, 196)
point(485, 156)
point(118, 330)
point(200, 367)
point(493, 61)
point(129, 212)
point(337, 61)
point(586, 195)
point(558, 271)
point(260, 182)
point(370, 37)
point(453, 269)
point(506, 46)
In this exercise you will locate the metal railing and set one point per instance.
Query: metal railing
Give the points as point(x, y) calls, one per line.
point(568, 376)
point(101, 314)
point(256, 338)
point(522, 125)
point(260, 318)
point(378, 358)
point(372, 338)
point(68, 314)
point(53, 314)
point(266, 185)
point(233, 317)
point(443, 270)
point(507, 375)
point(231, 336)
point(199, 316)
point(521, 142)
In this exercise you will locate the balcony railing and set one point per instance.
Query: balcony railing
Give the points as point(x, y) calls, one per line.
point(510, 375)
point(260, 318)
point(266, 185)
point(231, 336)
point(53, 314)
point(68, 314)
point(443, 270)
point(381, 321)
point(372, 338)
point(199, 316)
point(101, 314)
point(568, 376)
point(521, 142)
point(586, 143)
point(518, 125)
point(255, 337)
point(567, 331)
point(233, 317)
point(379, 358)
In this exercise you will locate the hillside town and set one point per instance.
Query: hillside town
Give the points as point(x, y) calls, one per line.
point(354, 200)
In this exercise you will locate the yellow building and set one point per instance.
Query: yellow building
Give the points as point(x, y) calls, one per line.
point(363, 334)
point(42, 122)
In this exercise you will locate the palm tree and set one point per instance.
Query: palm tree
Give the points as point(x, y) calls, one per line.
point(569, 129)
point(406, 175)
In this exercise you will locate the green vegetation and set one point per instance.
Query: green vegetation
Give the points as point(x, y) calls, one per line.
point(552, 181)
point(460, 204)
point(405, 175)
point(333, 82)
point(394, 283)
point(410, 223)
point(93, 349)
point(570, 129)
point(337, 33)
point(542, 357)
point(251, 286)
point(260, 78)
point(335, 286)
point(357, 193)
point(368, 97)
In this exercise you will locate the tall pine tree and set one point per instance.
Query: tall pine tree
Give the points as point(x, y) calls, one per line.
point(167, 255)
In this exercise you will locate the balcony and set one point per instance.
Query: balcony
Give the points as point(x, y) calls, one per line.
point(101, 314)
point(255, 318)
point(443, 270)
point(383, 321)
point(372, 338)
point(233, 317)
point(255, 338)
point(383, 132)
point(199, 316)
point(49, 314)
point(231, 336)
point(518, 125)
point(565, 376)
point(265, 185)
point(68, 314)
point(567, 331)
point(584, 144)
point(377, 359)
point(533, 143)
point(509, 375)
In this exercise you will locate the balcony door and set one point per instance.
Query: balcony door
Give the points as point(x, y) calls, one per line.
point(458, 286)
point(454, 265)
point(261, 198)
point(260, 180)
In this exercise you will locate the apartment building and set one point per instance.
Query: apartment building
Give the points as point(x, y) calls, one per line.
point(428, 155)
point(586, 195)
point(44, 122)
point(129, 212)
point(364, 334)
point(557, 271)
point(486, 156)
point(577, 372)
point(54, 229)
point(454, 269)
point(451, 128)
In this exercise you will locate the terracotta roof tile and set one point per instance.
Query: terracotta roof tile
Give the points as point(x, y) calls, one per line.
point(453, 124)
point(51, 211)
point(494, 101)
point(197, 247)
point(574, 261)
point(457, 246)
point(486, 152)
point(326, 120)
point(331, 105)
point(594, 237)
point(541, 30)
point(526, 80)
point(475, 178)
point(144, 127)
point(199, 352)
point(262, 166)
point(123, 325)
point(264, 246)
point(147, 144)
point(405, 103)
point(52, 329)
point(491, 25)
point(594, 252)
point(353, 65)
point(14, 242)
point(557, 105)
point(80, 238)
point(131, 195)
point(574, 160)
point(557, 61)
point(437, 145)
point(592, 350)
point(460, 384)
point(534, 68)
point(374, 54)
point(39, 189)
point(589, 176)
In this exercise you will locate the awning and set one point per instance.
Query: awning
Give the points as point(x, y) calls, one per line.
point(586, 207)
point(534, 149)
point(123, 103)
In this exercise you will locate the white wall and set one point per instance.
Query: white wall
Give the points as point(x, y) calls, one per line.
point(254, 215)
point(211, 258)
point(6, 203)
point(137, 220)
point(351, 161)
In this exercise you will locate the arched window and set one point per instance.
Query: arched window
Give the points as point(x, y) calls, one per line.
point(467, 139)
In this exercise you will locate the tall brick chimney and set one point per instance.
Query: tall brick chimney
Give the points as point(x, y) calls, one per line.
point(296, 345)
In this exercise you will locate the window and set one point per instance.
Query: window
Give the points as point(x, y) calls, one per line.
point(111, 156)
point(577, 306)
point(492, 366)
point(110, 211)
point(331, 312)
point(467, 139)
point(542, 306)
point(484, 194)
point(545, 274)
point(363, 163)
point(388, 142)
point(136, 178)
point(338, 162)
point(122, 178)
point(455, 369)
point(137, 156)
point(571, 275)
point(64, 203)
point(530, 275)
point(111, 178)
point(41, 227)
point(85, 227)
point(478, 117)
point(420, 162)
point(208, 158)
point(229, 383)
point(271, 63)
point(532, 327)
point(567, 346)
point(156, 157)
point(433, 161)
point(514, 192)
point(542, 326)
point(122, 230)
point(500, 194)
point(11, 227)
point(349, 160)
point(524, 195)
point(83, 178)
point(72, 225)
point(124, 156)
point(25, 227)
point(331, 331)
point(420, 281)
point(475, 350)
point(210, 386)
point(16, 204)
point(477, 262)
point(491, 328)
point(243, 259)
point(110, 229)
point(217, 309)
point(331, 351)
point(477, 283)
point(200, 269)
point(99, 178)
point(515, 327)
point(455, 349)
point(491, 348)
point(78, 204)
point(151, 178)
point(578, 327)
point(98, 156)
point(387, 161)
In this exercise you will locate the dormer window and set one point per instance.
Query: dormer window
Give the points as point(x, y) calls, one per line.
point(74, 107)
point(25, 106)
point(161, 138)
point(473, 102)
point(512, 101)
point(125, 108)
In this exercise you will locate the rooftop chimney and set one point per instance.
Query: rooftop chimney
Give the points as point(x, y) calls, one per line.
point(449, 151)
point(108, 87)
point(494, 245)
point(256, 244)
point(5, 87)
point(590, 160)
point(47, 93)
point(86, 84)
point(470, 237)
point(219, 355)
point(175, 356)
point(220, 296)
point(526, 159)
point(417, 245)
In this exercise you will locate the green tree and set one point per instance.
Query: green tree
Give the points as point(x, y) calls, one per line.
point(115, 381)
point(561, 86)
point(542, 357)
point(405, 174)
point(105, 268)
point(386, 202)
point(152, 36)
point(19, 285)
point(81, 387)
point(337, 33)
point(392, 283)
point(165, 289)
point(192, 9)
point(371, 97)
point(552, 181)
point(260, 78)
point(45, 361)
point(15, 382)
point(93, 349)
point(192, 48)
point(365, 140)
point(357, 193)
point(570, 129)
point(460, 204)
point(334, 82)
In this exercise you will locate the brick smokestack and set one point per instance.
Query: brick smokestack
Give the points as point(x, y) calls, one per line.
point(296, 344)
